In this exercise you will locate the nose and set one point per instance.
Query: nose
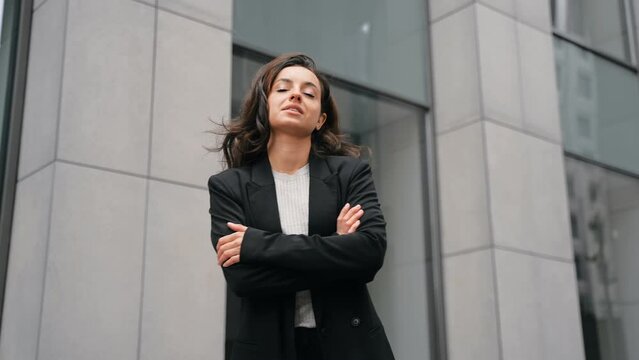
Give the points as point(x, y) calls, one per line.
point(295, 95)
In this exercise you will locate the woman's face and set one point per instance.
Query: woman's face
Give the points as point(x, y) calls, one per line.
point(294, 102)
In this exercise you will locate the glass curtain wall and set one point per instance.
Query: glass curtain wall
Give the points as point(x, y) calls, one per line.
point(374, 53)
point(599, 108)
point(604, 214)
point(379, 44)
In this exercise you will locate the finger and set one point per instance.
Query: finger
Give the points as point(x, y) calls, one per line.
point(226, 239)
point(236, 227)
point(355, 217)
point(223, 240)
point(354, 227)
point(227, 254)
point(344, 211)
point(352, 211)
point(227, 247)
point(233, 260)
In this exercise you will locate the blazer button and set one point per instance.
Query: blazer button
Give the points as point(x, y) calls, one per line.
point(355, 322)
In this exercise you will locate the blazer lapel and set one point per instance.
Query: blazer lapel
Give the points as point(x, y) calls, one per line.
point(262, 197)
point(323, 195)
point(323, 207)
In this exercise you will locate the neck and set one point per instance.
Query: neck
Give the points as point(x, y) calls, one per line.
point(287, 153)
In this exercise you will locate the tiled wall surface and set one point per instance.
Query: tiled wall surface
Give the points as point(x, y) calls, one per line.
point(509, 274)
point(110, 254)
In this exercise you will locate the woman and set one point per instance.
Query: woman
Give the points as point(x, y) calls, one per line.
point(287, 238)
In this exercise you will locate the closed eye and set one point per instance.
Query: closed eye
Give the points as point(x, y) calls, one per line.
point(310, 95)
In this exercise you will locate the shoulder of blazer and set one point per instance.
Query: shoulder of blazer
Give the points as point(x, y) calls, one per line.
point(231, 179)
point(345, 166)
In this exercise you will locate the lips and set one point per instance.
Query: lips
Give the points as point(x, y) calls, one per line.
point(293, 108)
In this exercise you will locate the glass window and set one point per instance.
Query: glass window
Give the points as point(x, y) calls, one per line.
point(604, 212)
point(380, 44)
point(13, 58)
point(395, 132)
point(6, 75)
point(597, 24)
point(599, 107)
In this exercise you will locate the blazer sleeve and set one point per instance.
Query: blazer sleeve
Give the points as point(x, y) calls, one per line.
point(356, 256)
point(244, 279)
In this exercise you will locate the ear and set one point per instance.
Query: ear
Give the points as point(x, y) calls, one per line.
point(321, 121)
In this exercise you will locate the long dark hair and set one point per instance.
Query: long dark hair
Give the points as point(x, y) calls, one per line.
point(247, 136)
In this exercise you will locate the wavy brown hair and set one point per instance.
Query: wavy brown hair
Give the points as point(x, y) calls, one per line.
point(247, 136)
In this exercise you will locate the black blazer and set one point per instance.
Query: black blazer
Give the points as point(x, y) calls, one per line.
point(274, 266)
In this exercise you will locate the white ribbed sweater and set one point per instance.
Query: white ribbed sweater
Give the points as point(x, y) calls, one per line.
point(292, 204)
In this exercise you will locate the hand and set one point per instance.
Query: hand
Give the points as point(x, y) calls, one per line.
point(348, 219)
point(228, 247)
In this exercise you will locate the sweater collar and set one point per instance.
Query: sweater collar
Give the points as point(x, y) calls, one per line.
point(262, 173)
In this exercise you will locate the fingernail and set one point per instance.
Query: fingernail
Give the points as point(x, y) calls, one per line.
point(347, 205)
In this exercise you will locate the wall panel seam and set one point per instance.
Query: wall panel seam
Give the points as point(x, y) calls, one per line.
point(147, 182)
point(188, 17)
point(451, 12)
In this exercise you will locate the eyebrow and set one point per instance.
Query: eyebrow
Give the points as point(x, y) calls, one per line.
point(308, 83)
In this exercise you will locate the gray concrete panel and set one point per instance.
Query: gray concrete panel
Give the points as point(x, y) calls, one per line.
point(463, 192)
point(106, 97)
point(439, 8)
point(25, 274)
point(535, 13)
point(527, 192)
point(42, 97)
point(539, 308)
point(504, 6)
point(471, 308)
point(456, 75)
point(192, 87)
point(94, 270)
point(215, 12)
point(499, 66)
point(184, 309)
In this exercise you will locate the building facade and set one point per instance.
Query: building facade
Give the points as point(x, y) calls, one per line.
point(504, 139)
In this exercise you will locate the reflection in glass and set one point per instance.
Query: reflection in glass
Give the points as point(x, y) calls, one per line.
point(599, 107)
point(597, 24)
point(394, 131)
point(604, 212)
point(380, 44)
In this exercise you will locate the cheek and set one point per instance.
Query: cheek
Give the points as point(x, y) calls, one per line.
point(314, 113)
point(272, 106)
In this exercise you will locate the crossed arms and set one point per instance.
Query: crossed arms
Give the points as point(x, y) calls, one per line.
point(268, 263)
